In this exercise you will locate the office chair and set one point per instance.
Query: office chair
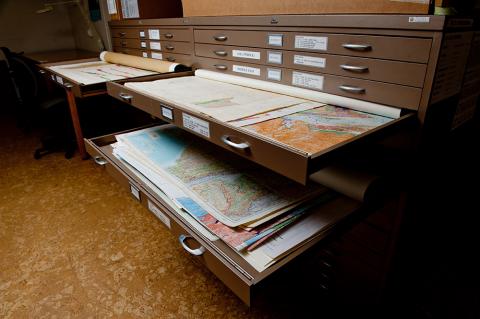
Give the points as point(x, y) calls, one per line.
point(33, 104)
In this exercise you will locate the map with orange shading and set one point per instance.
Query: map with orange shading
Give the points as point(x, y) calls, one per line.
point(315, 130)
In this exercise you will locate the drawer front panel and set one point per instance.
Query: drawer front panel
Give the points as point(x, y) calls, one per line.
point(177, 47)
point(125, 33)
point(378, 92)
point(383, 47)
point(231, 279)
point(131, 51)
point(404, 73)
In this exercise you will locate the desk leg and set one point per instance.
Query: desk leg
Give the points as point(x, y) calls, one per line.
point(76, 123)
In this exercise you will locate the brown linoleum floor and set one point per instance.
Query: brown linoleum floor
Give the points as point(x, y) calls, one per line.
point(73, 244)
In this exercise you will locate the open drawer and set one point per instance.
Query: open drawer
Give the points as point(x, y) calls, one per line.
point(227, 264)
point(284, 159)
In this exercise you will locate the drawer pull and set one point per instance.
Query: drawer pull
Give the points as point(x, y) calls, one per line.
point(100, 160)
point(169, 47)
point(126, 97)
point(124, 43)
point(357, 47)
point(358, 69)
point(122, 34)
point(41, 71)
point(168, 35)
point(171, 59)
point(221, 67)
point(220, 38)
point(68, 85)
point(196, 252)
point(240, 146)
point(220, 53)
point(352, 89)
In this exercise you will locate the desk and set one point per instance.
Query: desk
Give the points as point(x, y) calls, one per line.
point(65, 56)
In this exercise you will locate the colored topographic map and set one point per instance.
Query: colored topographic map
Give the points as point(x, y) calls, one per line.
point(315, 130)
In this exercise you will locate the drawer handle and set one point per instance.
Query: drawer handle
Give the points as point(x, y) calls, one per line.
point(169, 47)
point(352, 89)
point(196, 252)
point(171, 59)
point(124, 43)
point(358, 69)
point(221, 67)
point(220, 53)
point(241, 146)
point(122, 34)
point(168, 35)
point(100, 160)
point(357, 47)
point(126, 97)
point(220, 38)
point(68, 85)
point(41, 71)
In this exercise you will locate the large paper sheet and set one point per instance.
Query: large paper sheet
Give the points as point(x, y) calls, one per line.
point(234, 192)
point(222, 101)
point(311, 95)
point(97, 72)
point(315, 130)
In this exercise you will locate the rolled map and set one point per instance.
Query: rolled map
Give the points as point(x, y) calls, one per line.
point(142, 63)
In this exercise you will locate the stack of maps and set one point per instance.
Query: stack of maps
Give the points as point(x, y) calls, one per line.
point(240, 202)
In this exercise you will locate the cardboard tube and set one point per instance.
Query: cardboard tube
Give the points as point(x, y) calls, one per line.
point(141, 63)
point(350, 182)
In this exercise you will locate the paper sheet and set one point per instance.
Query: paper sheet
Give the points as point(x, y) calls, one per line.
point(97, 72)
point(222, 101)
point(311, 95)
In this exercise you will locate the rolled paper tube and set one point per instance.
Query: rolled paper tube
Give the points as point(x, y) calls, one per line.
point(353, 183)
point(142, 63)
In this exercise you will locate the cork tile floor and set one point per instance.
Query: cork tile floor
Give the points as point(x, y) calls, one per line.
point(73, 244)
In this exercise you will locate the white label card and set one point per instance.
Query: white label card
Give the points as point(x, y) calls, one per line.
point(52, 76)
point(275, 57)
point(155, 46)
point(419, 19)
point(143, 44)
point(274, 74)
point(275, 40)
point(135, 192)
point(309, 60)
point(246, 70)
point(142, 34)
point(246, 54)
point(160, 215)
point(145, 54)
point(167, 112)
point(311, 43)
point(112, 7)
point(154, 34)
point(197, 125)
point(59, 79)
point(307, 80)
point(156, 55)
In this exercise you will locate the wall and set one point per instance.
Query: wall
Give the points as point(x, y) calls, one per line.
point(21, 29)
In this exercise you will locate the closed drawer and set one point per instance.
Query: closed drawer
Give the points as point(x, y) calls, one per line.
point(281, 158)
point(405, 73)
point(177, 47)
point(142, 53)
point(383, 47)
point(379, 92)
point(101, 152)
point(125, 33)
point(130, 43)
